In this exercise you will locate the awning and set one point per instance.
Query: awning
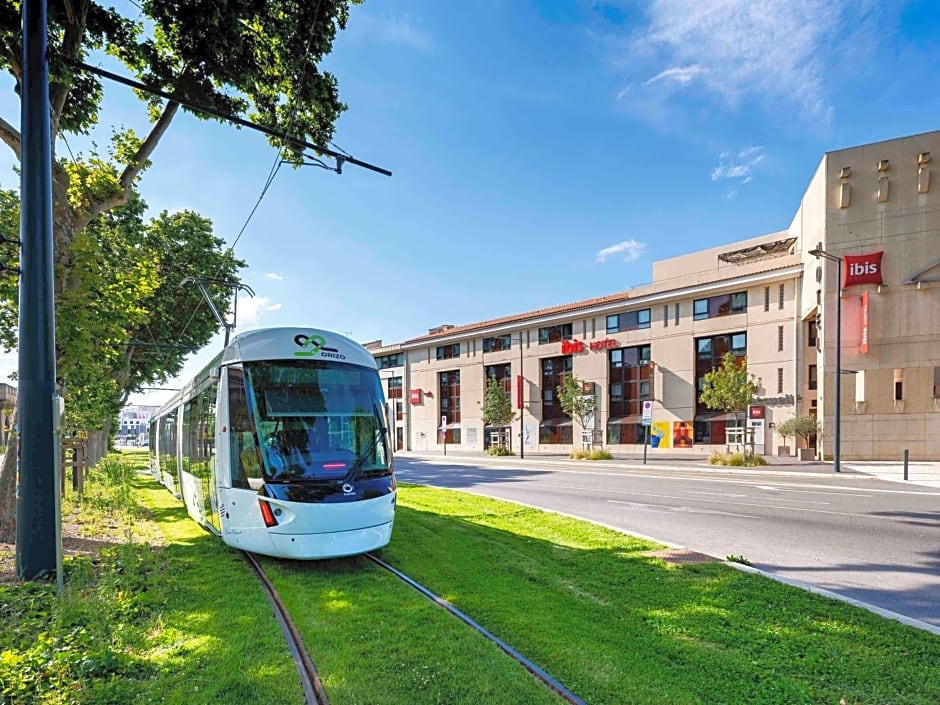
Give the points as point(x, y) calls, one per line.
point(719, 417)
point(636, 418)
point(551, 423)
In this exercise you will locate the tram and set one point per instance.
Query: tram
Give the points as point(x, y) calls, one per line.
point(280, 446)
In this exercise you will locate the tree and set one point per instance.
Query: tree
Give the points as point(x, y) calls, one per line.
point(497, 406)
point(729, 387)
point(250, 58)
point(802, 426)
point(574, 402)
point(124, 298)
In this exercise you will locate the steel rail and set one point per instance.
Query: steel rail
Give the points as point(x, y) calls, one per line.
point(314, 692)
point(552, 683)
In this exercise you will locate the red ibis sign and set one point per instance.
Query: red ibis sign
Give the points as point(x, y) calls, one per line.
point(414, 396)
point(861, 269)
point(569, 347)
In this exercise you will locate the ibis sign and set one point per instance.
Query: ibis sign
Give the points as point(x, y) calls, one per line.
point(861, 269)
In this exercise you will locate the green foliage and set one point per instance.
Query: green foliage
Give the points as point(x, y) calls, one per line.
point(574, 402)
point(736, 459)
point(594, 454)
point(498, 451)
point(497, 405)
point(738, 559)
point(729, 388)
point(124, 287)
point(110, 484)
point(258, 60)
point(804, 426)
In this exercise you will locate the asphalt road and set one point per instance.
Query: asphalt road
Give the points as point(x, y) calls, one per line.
point(863, 538)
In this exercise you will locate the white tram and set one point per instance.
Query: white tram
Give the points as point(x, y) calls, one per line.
point(280, 446)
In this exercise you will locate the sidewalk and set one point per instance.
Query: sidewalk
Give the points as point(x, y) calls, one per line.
point(925, 474)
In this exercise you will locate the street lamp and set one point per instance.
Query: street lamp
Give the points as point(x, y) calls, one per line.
point(520, 386)
point(818, 253)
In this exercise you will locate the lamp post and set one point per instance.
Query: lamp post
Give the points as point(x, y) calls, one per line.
point(520, 386)
point(818, 253)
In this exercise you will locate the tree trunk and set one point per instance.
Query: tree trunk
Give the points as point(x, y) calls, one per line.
point(8, 493)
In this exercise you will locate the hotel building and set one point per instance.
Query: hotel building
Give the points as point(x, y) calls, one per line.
point(872, 215)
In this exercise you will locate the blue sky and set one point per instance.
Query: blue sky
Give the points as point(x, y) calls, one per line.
point(543, 152)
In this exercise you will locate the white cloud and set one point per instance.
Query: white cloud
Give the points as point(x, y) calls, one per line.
point(390, 30)
point(739, 167)
point(632, 250)
point(275, 276)
point(749, 50)
point(677, 74)
point(252, 310)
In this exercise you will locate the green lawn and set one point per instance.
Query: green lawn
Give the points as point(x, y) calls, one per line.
point(186, 623)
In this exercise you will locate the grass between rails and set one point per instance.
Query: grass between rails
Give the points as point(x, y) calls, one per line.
point(187, 623)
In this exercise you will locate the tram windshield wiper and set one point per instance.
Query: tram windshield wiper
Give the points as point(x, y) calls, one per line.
point(355, 470)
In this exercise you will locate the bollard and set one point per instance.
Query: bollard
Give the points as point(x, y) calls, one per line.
point(906, 453)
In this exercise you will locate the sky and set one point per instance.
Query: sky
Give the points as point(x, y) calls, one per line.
point(542, 152)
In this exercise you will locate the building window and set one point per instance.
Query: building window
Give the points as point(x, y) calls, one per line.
point(709, 353)
point(395, 360)
point(677, 313)
point(779, 338)
point(781, 296)
point(936, 382)
point(779, 380)
point(811, 331)
point(631, 320)
point(766, 298)
point(502, 374)
point(497, 343)
point(811, 377)
point(395, 391)
point(665, 314)
point(555, 427)
point(448, 352)
point(554, 334)
point(716, 306)
point(630, 374)
point(448, 390)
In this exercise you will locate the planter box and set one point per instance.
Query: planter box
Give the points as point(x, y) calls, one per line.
point(783, 451)
point(807, 454)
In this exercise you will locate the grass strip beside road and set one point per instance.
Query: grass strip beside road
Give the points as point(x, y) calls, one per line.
point(617, 626)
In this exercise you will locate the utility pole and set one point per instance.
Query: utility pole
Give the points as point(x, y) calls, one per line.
point(36, 520)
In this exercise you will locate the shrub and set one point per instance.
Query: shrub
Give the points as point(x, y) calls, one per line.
point(596, 454)
point(736, 459)
point(498, 450)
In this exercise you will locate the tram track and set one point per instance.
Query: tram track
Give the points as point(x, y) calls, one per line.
point(553, 683)
point(314, 691)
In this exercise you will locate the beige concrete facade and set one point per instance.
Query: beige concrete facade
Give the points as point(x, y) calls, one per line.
point(883, 201)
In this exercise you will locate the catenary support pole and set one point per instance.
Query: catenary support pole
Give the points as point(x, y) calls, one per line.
point(35, 502)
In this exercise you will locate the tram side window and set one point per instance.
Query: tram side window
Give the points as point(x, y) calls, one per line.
point(199, 426)
point(168, 443)
point(246, 461)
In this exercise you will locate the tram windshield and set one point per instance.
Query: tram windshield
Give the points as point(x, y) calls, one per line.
point(317, 420)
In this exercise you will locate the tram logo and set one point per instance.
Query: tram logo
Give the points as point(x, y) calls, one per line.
point(313, 344)
point(348, 488)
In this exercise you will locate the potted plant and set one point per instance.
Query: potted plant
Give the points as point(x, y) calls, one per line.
point(801, 426)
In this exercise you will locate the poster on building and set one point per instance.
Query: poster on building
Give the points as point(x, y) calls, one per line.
point(660, 434)
point(681, 434)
